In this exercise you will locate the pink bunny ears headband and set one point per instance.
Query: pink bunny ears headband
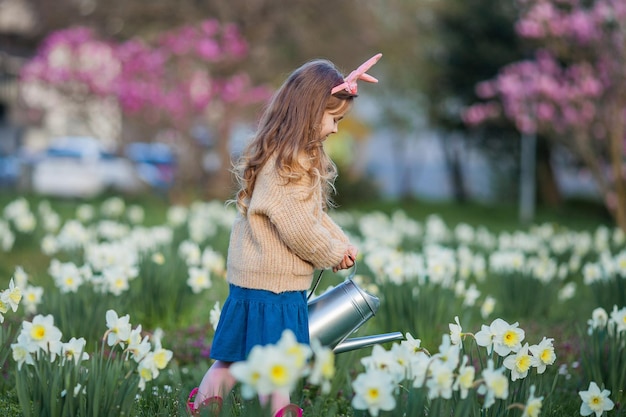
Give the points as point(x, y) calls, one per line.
point(349, 83)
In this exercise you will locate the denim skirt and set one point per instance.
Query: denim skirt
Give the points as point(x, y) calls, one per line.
point(253, 317)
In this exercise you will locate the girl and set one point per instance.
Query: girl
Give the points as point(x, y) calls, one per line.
point(282, 231)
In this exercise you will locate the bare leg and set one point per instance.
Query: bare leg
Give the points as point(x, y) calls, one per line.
point(217, 381)
point(278, 401)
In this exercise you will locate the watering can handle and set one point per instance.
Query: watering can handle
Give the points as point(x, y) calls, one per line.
point(319, 278)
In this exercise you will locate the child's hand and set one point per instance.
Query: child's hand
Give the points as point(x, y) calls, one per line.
point(348, 259)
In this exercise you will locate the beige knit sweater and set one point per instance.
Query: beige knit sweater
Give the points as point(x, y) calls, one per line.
point(284, 236)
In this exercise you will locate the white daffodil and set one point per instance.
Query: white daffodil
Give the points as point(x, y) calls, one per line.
point(3, 309)
point(135, 214)
point(496, 385)
point(67, 277)
point(373, 391)
point(595, 400)
point(470, 295)
point(464, 379)
point(42, 334)
point(249, 372)
point(158, 258)
point(162, 357)
point(599, 320)
point(115, 280)
point(618, 317)
point(403, 355)
point(448, 353)
point(533, 404)
point(299, 352)
point(74, 350)
point(487, 306)
point(420, 366)
point(138, 344)
point(413, 345)
point(22, 351)
point(214, 315)
point(12, 296)
point(73, 235)
point(507, 337)
point(280, 371)
point(567, 292)
point(484, 337)
point(544, 352)
point(85, 213)
point(21, 277)
point(272, 368)
point(199, 279)
point(456, 331)
point(119, 328)
point(49, 245)
point(113, 207)
point(384, 360)
point(112, 231)
point(25, 222)
point(323, 369)
point(620, 263)
point(440, 380)
point(213, 261)
point(147, 370)
point(190, 252)
point(7, 237)
point(176, 215)
point(592, 272)
point(31, 298)
point(520, 363)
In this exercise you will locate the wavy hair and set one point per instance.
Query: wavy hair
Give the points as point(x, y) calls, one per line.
point(289, 130)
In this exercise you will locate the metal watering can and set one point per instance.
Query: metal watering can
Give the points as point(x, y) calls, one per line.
point(339, 312)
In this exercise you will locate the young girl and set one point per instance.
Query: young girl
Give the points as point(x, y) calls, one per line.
point(282, 231)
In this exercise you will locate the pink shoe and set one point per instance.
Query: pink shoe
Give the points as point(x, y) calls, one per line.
point(213, 404)
point(290, 410)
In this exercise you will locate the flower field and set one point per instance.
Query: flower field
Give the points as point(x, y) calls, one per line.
point(106, 311)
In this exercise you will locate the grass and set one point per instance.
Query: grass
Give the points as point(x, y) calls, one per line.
point(425, 314)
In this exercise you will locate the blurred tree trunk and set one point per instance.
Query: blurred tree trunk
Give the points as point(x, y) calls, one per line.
point(453, 154)
point(617, 155)
point(547, 186)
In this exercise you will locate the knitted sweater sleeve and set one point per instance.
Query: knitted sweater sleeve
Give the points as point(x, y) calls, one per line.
point(304, 227)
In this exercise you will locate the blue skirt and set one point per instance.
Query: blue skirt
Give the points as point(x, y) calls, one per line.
point(258, 317)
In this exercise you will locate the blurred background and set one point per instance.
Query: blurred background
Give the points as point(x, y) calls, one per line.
point(515, 102)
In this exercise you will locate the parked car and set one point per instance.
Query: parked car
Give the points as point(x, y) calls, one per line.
point(80, 166)
point(9, 170)
point(155, 163)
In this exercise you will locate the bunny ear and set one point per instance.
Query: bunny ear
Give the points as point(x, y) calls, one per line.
point(368, 78)
point(349, 83)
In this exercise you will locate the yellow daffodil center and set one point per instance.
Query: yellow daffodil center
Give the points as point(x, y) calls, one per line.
point(546, 355)
point(160, 359)
point(510, 338)
point(38, 332)
point(279, 374)
point(145, 374)
point(373, 393)
point(523, 363)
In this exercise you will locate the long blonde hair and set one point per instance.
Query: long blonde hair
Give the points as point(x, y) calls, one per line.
point(290, 130)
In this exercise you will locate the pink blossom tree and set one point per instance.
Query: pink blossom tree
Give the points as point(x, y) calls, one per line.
point(174, 82)
point(574, 88)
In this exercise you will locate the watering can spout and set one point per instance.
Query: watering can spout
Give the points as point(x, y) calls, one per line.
point(365, 341)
